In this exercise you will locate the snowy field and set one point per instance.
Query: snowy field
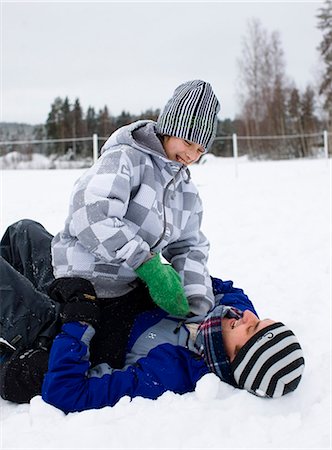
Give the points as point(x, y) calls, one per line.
point(269, 229)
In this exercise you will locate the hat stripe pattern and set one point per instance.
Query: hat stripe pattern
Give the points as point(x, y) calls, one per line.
point(191, 114)
point(259, 355)
point(271, 363)
point(286, 379)
point(275, 362)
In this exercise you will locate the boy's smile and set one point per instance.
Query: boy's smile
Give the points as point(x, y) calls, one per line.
point(182, 151)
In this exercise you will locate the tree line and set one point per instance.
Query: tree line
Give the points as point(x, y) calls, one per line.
point(66, 120)
point(270, 104)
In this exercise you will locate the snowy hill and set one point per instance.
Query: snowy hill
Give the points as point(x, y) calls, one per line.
point(269, 233)
point(16, 131)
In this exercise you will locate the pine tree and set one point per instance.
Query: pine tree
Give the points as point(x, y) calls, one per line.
point(54, 119)
point(78, 124)
point(91, 121)
point(295, 125)
point(125, 118)
point(104, 122)
point(66, 120)
point(54, 124)
point(309, 120)
point(78, 128)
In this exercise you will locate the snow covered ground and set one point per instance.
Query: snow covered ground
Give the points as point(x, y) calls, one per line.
point(270, 233)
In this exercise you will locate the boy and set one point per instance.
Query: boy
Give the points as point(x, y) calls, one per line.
point(136, 202)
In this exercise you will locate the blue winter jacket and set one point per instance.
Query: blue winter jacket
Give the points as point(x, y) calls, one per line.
point(160, 357)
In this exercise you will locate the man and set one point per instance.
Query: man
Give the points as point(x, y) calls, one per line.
point(163, 352)
point(263, 357)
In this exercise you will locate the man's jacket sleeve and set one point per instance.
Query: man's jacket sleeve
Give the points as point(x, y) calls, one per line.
point(228, 295)
point(71, 386)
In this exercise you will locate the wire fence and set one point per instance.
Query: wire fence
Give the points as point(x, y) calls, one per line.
point(82, 152)
point(277, 147)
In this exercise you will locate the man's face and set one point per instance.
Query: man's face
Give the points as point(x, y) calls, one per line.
point(236, 332)
point(181, 150)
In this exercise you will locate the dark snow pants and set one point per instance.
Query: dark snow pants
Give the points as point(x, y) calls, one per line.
point(27, 314)
point(29, 317)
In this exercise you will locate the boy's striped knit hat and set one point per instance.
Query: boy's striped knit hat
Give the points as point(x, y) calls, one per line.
point(271, 363)
point(191, 114)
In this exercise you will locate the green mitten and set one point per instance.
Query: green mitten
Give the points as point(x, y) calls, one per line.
point(164, 285)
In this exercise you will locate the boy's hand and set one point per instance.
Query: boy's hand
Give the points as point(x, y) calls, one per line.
point(164, 285)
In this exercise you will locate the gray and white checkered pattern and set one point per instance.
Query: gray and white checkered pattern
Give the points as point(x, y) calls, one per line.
point(116, 218)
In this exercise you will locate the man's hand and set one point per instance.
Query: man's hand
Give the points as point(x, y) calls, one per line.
point(86, 311)
point(79, 299)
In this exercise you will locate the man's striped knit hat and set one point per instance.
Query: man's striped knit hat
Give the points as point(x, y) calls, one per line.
point(191, 114)
point(271, 363)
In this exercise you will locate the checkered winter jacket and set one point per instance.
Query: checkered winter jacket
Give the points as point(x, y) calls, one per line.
point(131, 202)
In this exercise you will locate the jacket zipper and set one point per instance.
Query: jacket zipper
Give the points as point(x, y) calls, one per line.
point(164, 209)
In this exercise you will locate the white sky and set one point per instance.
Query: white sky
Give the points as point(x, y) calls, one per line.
point(132, 55)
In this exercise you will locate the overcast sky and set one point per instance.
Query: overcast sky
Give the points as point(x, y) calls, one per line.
point(131, 55)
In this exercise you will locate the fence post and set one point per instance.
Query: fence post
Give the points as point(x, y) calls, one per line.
point(326, 145)
point(95, 146)
point(235, 153)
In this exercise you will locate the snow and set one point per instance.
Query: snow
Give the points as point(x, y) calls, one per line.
point(269, 232)
point(18, 160)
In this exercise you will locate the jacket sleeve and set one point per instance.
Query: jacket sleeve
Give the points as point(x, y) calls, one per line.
point(228, 295)
point(71, 386)
point(99, 205)
point(189, 255)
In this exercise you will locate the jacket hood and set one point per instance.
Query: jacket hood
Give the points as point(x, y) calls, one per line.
point(140, 135)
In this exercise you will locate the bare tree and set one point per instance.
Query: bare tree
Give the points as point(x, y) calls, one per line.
point(251, 65)
point(263, 85)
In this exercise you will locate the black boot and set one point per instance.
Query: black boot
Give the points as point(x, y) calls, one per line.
point(22, 375)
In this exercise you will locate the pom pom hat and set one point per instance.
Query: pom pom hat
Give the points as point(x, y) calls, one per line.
point(191, 114)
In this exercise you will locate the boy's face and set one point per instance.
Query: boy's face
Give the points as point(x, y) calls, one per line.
point(236, 333)
point(182, 151)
